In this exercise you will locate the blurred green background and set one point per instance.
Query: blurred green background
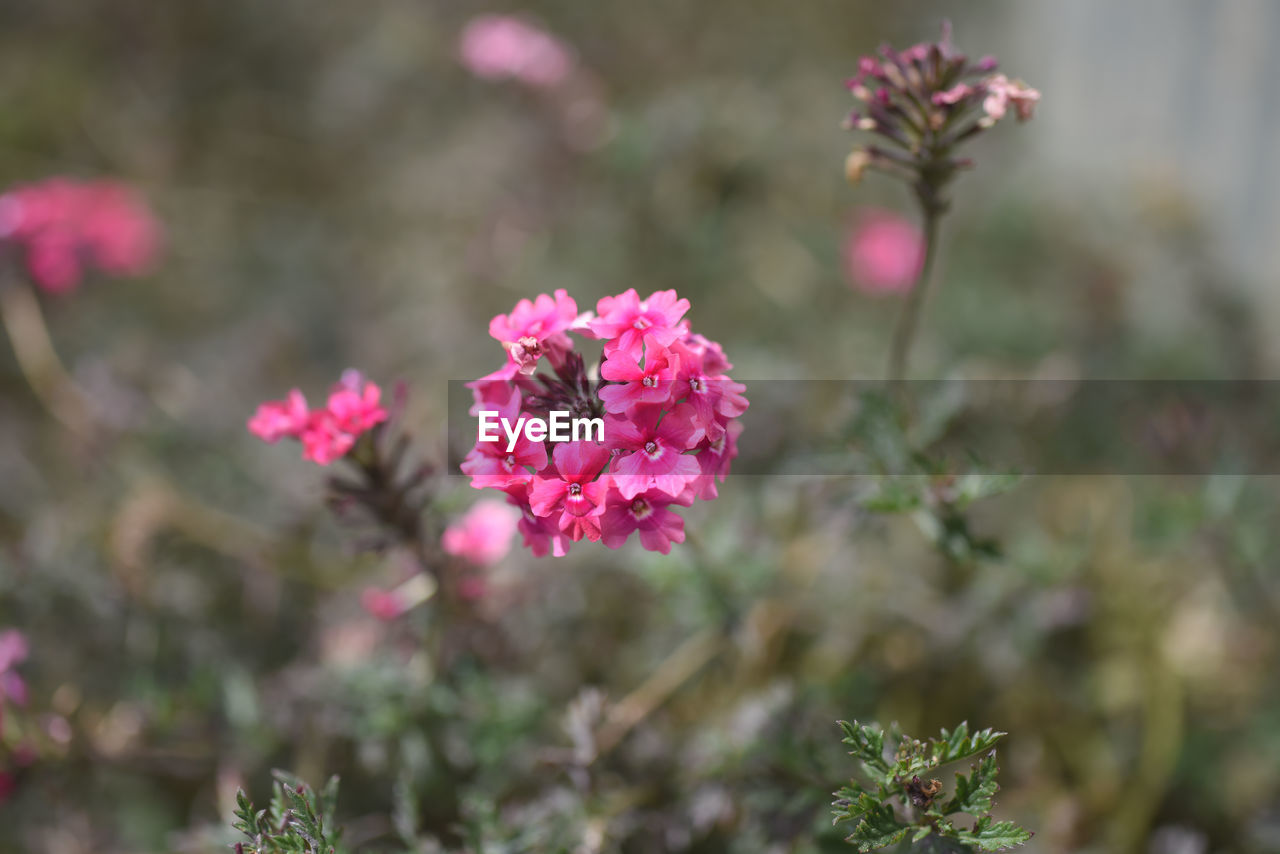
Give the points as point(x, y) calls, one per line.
point(338, 191)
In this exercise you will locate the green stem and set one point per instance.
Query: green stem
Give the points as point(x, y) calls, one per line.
point(905, 332)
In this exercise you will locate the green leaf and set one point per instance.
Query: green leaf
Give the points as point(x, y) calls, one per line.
point(879, 828)
point(959, 744)
point(998, 836)
point(867, 743)
point(974, 792)
point(851, 803)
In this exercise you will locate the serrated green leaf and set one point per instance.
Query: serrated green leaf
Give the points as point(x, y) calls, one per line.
point(879, 828)
point(867, 743)
point(994, 836)
point(975, 791)
point(957, 745)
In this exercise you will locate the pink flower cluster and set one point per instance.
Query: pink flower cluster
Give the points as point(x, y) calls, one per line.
point(65, 228)
point(498, 47)
point(669, 409)
point(924, 102)
point(883, 252)
point(326, 433)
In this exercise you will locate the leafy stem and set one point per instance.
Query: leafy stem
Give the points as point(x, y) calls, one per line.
point(904, 805)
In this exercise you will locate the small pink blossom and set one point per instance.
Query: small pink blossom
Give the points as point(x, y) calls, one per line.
point(570, 492)
point(483, 536)
point(532, 330)
point(657, 442)
point(490, 464)
point(385, 605)
point(633, 384)
point(13, 651)
point(883, 253)
point(627, 321)
point(67, 227)
point(323, 439)
point(497, 47)
point(326, 433)
point(277, 419)
point(954, 95)
point(649, 513)
point(1001, 92)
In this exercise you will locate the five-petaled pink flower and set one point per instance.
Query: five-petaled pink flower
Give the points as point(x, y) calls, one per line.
point(657, 441)
point(483, 536)
point(569, 492)
point(500, 47)
point(65, 228)
point(633, 384)
point(533, 330)
point(649, 513)
point(883, 253)
point(625, 321)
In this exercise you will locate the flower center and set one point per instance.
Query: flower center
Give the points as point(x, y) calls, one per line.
point(649, 381)
point(695, 384)
point(575, 489)
point(651, 447)
point(640, 508)
point(641, 323)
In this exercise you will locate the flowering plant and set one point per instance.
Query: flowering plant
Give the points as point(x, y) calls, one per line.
point(669, 411)
point(923, 103)
point(64, 228)
point(328, 432)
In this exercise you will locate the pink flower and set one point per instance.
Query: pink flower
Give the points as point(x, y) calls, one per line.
point(954, 95)
point(497, 47)
point(483, 536)
point(1001, 92)
point(635, 384)
point(323, 439)
point(628, 321)
point(532, 330)
point(714, 457)
point(570, 493)
point(328, 433)
point(385, 605)
point(490, 464)
point(67, 227)
point(647, 513)
point(354, 405)
point(658, 442)
point(883, 253)
point(276, 419)
point(13, 651)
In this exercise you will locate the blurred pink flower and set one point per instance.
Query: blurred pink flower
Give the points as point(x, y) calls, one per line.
point(883, 253)
point(354, 406)
point(276, 419)
point(483, 536)
point(1001, 92)
point(13, 651)
point(67, 227)
point(383, 604)
point(498, 47)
